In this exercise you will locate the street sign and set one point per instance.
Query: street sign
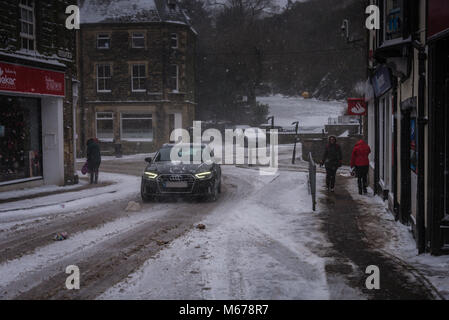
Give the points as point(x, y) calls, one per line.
point(357, 107)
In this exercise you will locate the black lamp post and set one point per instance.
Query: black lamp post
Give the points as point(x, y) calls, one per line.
point(272, 127)
point(272, 121)
point(296, 123)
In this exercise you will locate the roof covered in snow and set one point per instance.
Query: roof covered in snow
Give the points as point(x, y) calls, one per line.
point(131, 11)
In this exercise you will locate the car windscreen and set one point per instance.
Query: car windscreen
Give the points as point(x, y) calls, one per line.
point(193, 152)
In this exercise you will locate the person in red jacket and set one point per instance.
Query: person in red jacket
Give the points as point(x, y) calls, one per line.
point(359, 160)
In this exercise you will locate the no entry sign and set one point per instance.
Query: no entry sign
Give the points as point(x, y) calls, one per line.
point(357, 107)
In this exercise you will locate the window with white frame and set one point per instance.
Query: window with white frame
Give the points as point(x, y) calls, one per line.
point(138, 40)
point(103, 41)
point(27, 24)
point(138, 78)
point(105, 126)
point(103, 78)
point(136, 126)
point(174, 40)
point(174, 77)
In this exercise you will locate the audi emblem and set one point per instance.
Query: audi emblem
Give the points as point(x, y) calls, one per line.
point(176, 178)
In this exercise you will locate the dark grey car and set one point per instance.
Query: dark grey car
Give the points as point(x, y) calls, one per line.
point(165, 177)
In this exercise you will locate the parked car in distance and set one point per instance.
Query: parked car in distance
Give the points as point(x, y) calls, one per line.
point(165, 177)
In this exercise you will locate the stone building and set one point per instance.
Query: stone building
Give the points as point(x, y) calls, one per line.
point(137, 73)
point(37, 85)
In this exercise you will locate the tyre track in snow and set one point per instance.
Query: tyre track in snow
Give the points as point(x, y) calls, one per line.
point(36, 234)
point(28, 234)
point(115, 258)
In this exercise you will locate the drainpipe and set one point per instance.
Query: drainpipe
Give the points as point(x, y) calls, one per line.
point(82, 137)
point(376, 144)
point(422, 122)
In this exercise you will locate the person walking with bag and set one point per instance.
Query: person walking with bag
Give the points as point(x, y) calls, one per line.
point(93, 159)
point(332, 160)
point(360, 161)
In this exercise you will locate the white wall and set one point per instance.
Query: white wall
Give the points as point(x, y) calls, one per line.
point(53, 140)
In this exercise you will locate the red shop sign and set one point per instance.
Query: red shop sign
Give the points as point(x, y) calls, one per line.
point(14, 78)
point(357, 107)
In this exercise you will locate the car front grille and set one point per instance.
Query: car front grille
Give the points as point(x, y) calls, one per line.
point(165, 180)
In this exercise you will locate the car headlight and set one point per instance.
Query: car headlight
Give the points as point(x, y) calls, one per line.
point(150, 175)
point(203, 175)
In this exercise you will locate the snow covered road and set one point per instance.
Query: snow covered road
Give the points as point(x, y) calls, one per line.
point(250, 248)
point(261, 241)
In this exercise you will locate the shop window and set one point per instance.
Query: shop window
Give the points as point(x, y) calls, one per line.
point(138, 78)
point(105, 126)
point(136, 127)
point(104, 78)
point(27, 24)
point(394, 17)
point(138, 40)
point(174, 40)
point(20, 139)
point(174, 77)
point(103, 41)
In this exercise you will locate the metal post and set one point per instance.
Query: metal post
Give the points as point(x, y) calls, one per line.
point(296, 138)
point(312, 180)
point(272, 127)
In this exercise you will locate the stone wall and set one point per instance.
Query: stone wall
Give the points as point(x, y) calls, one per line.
point(338, 129)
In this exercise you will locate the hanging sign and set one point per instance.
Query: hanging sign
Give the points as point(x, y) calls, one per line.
point(357, 107)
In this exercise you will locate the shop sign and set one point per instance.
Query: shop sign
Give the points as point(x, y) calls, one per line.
point(357, 107)
point(21, 79)
point(381, 81)
point(438, 17)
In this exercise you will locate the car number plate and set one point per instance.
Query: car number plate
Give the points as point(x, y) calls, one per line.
point(176, 184)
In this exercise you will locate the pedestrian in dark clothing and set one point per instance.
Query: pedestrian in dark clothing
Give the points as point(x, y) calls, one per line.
point(360, 161)
point(332, 161)
point(93, 159)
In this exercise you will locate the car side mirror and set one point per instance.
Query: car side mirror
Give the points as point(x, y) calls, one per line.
point(149, 159)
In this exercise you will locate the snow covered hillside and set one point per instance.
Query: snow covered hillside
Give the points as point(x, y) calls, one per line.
point(312, 114)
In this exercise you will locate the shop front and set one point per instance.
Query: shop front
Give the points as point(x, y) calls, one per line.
point(438, 41)
point(31, 125)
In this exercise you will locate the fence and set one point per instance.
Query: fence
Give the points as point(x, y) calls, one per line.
point(312, 180)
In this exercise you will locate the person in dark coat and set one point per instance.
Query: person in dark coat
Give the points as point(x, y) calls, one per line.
point(93, 159)
point(360, 161)
point(332, 160)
